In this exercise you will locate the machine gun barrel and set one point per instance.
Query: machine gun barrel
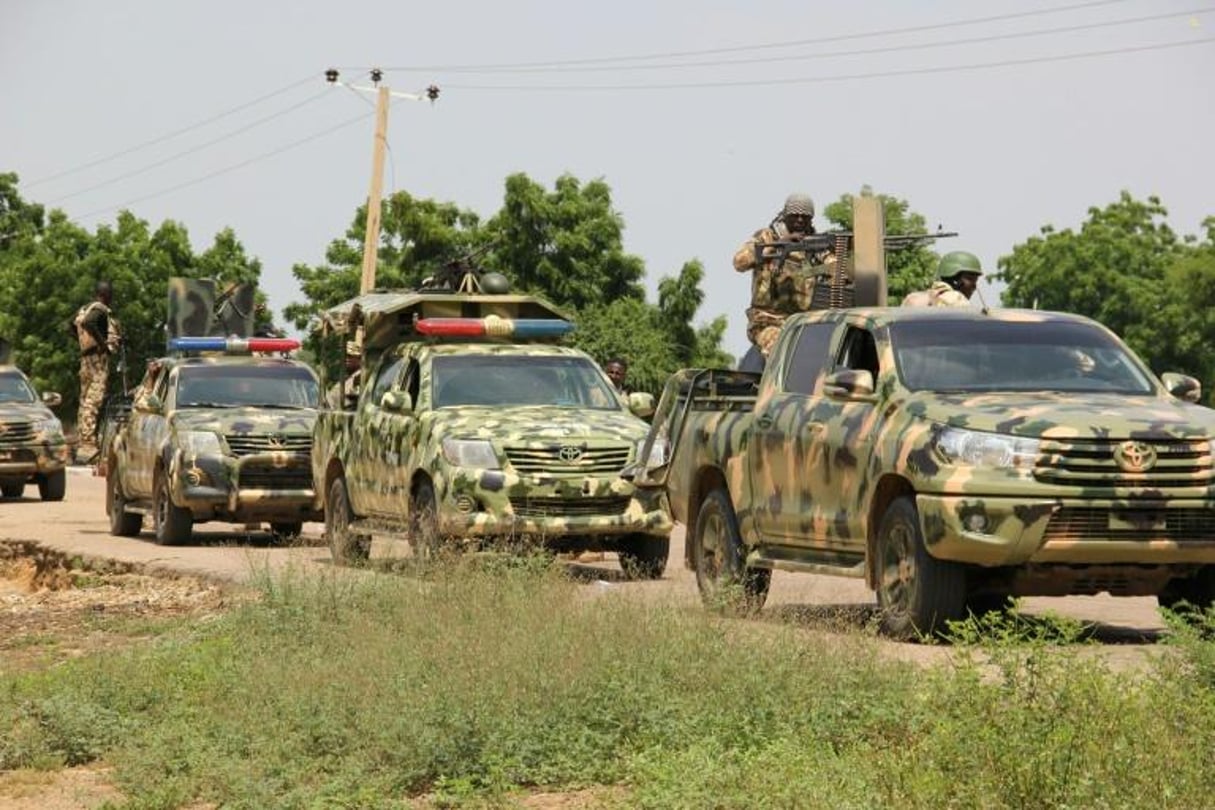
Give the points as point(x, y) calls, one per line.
point(832, 241)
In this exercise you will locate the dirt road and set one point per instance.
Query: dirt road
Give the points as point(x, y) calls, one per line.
point(78, 526)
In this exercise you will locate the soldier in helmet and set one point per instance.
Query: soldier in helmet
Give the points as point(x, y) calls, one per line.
point(957, 279)
point(778, 290)
point(96, 330)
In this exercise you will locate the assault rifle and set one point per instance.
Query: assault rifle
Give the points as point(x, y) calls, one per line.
point(460, 274)
point(837, 242)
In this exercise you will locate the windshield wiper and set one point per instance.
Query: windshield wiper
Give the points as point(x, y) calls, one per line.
point(279, 406)
point(205, 405)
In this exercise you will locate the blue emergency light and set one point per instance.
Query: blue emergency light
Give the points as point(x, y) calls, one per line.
point(233, 345)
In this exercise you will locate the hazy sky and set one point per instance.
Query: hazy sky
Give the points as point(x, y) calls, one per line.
point(992, 128)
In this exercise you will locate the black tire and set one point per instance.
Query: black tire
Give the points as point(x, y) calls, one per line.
point(984, 604)
point(720, 560)
point(916, 593)
point(53, 486)
point(1193, 595)
point(644, 556)
point(424, 536)
point(346, 547)
point(14, 490)
point(122, 522)
point(173, 524)
point(287, 532)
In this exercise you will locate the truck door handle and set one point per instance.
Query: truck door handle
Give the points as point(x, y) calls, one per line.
point(814, 427)
point(764, 422)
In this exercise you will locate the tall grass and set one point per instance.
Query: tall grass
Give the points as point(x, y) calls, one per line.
point(475, 681)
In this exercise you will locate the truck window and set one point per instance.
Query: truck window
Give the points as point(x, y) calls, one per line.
point(808, 357)
point(859, 351)
point(412, 382)
point(384, 381)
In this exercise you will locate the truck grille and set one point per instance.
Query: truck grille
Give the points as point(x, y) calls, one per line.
point(568, 459)
point(16, 433)
point(1177, 525)
point(246, 444)
point(275, 477)
point(1091, 463)
point(568, 507)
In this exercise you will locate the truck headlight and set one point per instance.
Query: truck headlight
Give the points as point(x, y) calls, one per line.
point(52, 427)
point(201, 443)
point(977, 449)
point(470, 453)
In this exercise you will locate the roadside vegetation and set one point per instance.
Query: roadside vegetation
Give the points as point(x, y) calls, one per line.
point(482, 682)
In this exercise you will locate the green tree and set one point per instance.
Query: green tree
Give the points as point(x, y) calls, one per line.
point(908, 269)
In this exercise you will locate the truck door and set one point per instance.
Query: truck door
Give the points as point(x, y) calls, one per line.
point(779, 449)
point(399, 448)
point(369, 490)
point(842, 428)
point(144, 434)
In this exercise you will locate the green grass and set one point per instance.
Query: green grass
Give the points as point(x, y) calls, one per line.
point(474, 682)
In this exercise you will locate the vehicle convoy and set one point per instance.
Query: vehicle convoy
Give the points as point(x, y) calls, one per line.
point(32, 445)
point(219, 430)
point(473, 428)
point(951, 457)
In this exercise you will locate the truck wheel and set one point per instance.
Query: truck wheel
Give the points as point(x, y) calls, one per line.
point(287, 532)
point(173, 524)
point(1193, 595)
point(916, 592)
point(424, 521)
point(53, 486)
point(722, 575)
point(12, 490)
point(122, 522)
point(644, 556)
point(346, 547)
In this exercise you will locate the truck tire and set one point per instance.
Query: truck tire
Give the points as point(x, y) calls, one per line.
point(346, 547)
point(53, 486)
point(424, 521)
point(13, 489)
point(1188, 596)
point(122, 522)
point(287, 532)
point(173, 524)
point(916, 593)
point(644, 556)
point(722, 575)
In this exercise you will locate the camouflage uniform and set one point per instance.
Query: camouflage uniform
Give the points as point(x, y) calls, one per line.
point(777, 290)
point(940, 294)
point(97, 333)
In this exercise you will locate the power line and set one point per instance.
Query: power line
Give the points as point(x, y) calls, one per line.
point(836, 78)
point(192, 150)
point(232, 168)
point(857, 52)
point(759, 46)
point(170, 135)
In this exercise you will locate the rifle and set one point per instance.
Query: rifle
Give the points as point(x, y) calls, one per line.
point(455, 274)
point(836, 242)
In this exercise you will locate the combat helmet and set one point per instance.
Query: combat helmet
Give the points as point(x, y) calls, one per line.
point(957, 262)
point(798, 204)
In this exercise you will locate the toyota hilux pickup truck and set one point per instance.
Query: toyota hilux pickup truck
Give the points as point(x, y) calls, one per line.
point(952, 458)
point(32, 444)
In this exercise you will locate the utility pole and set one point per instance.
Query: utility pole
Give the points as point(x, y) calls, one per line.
point(371, 241)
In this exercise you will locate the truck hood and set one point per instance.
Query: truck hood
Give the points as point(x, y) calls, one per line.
point(537, 423)
point(1072, 415)
point(24, 412)
point(246, 420)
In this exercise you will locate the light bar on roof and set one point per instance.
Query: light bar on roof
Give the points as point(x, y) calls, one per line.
point(233, 345)
point(494, 326)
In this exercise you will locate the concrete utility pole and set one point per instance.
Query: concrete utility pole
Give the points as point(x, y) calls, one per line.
point(375, 195)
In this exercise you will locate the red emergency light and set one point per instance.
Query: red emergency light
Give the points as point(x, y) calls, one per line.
point(233, 345)
point(494, 326)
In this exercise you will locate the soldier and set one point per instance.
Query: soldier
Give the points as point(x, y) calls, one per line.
point(97, 332)
point(777, 289)
point(958, 278)
point(617, 369)
point(344, 394)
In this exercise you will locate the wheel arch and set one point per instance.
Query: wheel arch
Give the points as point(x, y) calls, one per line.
point(706, 480)
point(889, 488)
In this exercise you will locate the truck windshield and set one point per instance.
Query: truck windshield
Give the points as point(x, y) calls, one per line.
point(226, 386)
point(567, 382)
point(14, 388)
point(995, 355)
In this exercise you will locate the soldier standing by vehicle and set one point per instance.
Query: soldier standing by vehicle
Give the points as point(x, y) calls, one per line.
point(778, 290)
point(96, 330)
point(958, 278)
point(617, 369)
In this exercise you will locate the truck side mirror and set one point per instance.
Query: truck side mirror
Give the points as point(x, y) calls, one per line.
point(641, 404)
point(1182, 386)
point(396, 402)
point(849, 383)
point(51, 399)
point(149, 404)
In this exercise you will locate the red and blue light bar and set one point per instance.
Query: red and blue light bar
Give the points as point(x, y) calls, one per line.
point(493, 326)
point(233, 345)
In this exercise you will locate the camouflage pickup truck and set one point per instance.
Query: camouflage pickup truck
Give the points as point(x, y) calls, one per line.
point(472, 428)
point(32, 445)
point(950, 458)
point(215, 438)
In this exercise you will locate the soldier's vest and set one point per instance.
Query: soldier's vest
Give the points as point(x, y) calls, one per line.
point(87, 342)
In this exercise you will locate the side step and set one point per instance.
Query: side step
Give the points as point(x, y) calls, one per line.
point(808, 561)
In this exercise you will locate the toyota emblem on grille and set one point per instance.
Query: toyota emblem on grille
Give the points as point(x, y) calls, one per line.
point(569, 453)
point(276, 441)
point(1135, 456)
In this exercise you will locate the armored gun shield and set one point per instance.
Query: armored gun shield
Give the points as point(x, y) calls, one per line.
point(197, 310)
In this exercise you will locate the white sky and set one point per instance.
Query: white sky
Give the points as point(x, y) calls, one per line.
point(993, 153)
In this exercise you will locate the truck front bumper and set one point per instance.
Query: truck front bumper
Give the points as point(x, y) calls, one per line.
point(995, 531)
point(250, 488)
point(28, 460)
